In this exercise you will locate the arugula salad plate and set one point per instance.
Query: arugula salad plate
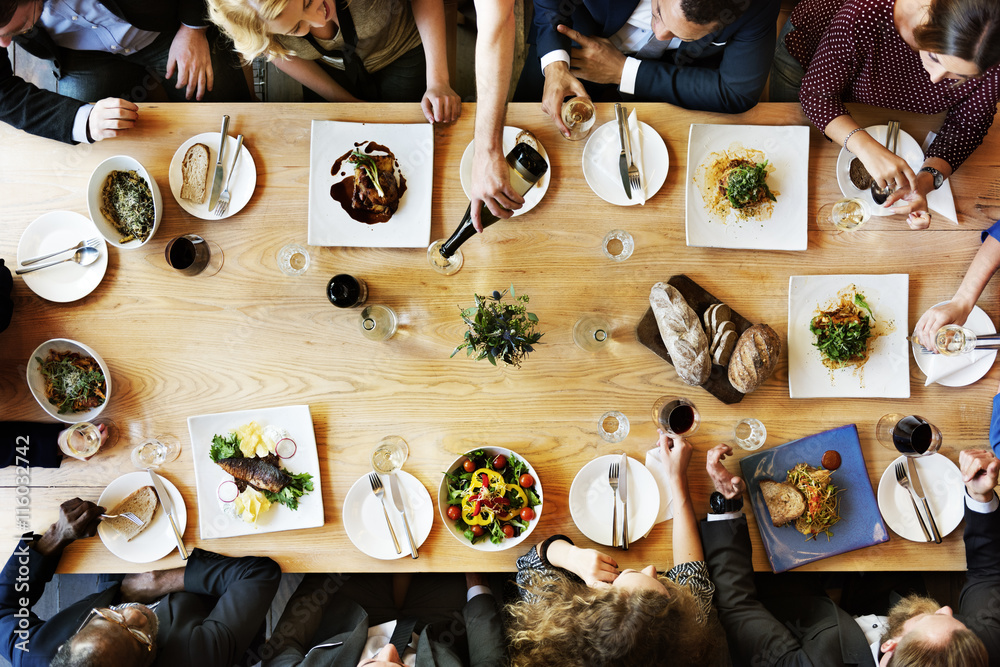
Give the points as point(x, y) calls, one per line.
point(215, 519)
point(886, 374)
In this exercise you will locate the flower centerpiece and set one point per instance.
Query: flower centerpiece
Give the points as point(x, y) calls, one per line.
point(499, 329)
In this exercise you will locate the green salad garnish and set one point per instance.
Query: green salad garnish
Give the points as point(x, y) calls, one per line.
point(745, 185)
point(368, 164)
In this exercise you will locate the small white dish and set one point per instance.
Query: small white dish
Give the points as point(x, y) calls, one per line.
point(36, 382)
point(69, 281)
point(591, 500)
point(965, 373)
point(240, 189)
point(532, 196)
point(364, 520)
point(943, 488)
point(157, 540)
point(600, 163)
point(95, 190)
point(908, 149)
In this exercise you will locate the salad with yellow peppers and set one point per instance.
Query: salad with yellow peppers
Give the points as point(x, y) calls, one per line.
point(491, 496)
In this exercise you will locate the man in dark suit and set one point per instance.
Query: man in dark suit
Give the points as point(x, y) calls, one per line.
point(111, 53)
point(206, 614)
point(708, 55)
point(812, 630)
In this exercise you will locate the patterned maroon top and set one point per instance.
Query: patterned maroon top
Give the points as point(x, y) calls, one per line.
point(852, 52)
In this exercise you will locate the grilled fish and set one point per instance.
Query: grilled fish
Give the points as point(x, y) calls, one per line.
point(257, 473)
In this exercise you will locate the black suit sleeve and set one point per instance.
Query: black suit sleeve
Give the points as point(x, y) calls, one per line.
point(979, 604)
point(30, 444)
point(482, 620)
point(27, 107)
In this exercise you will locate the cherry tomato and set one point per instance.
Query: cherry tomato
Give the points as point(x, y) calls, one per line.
point(527, 514)
point(500, 462)
point(478, 530)
point(454, 511)
point(508, 530)
point(526, 481)
point(469, 465)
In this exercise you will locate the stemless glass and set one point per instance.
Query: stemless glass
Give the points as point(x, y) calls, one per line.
point(293, 259)
point(911, 435)
point(847, 214)
point(188, 254)
point(676, 415)
point(750, 434)
point(378, 322)
point(579, 115)
point(618, 245)
point(156, 451)
point(390, 454)
point(613, 426)
point(591, 333)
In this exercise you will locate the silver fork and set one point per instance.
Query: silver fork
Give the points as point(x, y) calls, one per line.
point(223, 204)
point(633, 171)
point(125, 515)
point(89, 243)
point(904, 481)
point(613, 481)
point(379, 492)
point(633, 178)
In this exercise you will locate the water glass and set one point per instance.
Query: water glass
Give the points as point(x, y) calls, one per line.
point(579, 115)
point(591, 333)
point(750, 434)
point(188, 254)
point(156, 451)
point(676, 415)
point(613, 426)
point(293, 259)
point(618, 245)
point(378, 322)
point(390, 454)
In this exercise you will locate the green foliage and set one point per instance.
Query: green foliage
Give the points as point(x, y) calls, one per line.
point(498, 329)
point(225, 447)
point(746, 186)
point(844, 341)
point(289, 496)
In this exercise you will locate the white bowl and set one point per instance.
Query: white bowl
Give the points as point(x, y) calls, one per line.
point(36, 382)
point(486, 544)
point(95, 187)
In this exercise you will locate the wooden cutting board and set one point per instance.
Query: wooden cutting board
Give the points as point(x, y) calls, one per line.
point(648, 333)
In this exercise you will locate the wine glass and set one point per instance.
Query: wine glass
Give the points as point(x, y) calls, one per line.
point(952, 340)
point(676, 415)
point(192, 255)
point(446, 266)
point(579, 115)
point(910, 435)
point(847, 214)
point(84, 439)
point(390, 454)
point(156, 451)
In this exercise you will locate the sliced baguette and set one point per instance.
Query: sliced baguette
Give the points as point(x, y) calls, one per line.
point(784, 502)
point(142, 503)
point(194, 170)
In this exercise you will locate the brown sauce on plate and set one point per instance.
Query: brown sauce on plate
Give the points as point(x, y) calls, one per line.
point(831, 459)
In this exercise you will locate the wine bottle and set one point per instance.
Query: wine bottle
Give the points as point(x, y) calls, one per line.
point(526, 167)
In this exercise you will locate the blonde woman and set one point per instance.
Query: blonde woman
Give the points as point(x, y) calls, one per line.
point(577, 608)
point(349, 50)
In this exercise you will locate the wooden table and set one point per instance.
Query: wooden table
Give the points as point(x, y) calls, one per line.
point(252, 337)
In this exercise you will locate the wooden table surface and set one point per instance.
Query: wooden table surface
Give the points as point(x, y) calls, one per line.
point(251, 337)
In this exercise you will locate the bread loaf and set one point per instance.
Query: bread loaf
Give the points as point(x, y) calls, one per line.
point(682, 334)
point(194, 171)
point(754, 358)
point(142, 503)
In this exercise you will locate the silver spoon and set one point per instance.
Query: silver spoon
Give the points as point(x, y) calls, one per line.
point(879, 195)
point(83, 257)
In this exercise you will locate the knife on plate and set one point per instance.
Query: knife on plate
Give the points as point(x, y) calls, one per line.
point(623, 157)
point(168, 508)
point(623, 495)
point(918, 489)
point(397, 500)
point(219, 169)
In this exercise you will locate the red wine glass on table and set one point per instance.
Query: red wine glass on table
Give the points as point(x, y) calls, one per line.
point(676, 415)
point(191, 255)
point(910, 435)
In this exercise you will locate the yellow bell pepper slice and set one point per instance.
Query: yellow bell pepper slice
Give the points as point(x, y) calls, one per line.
point(484, 518)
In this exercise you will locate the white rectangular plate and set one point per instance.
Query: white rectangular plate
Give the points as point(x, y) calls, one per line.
point(212, 520)
point(887, 372)
point(410, 226)
point(787, 148)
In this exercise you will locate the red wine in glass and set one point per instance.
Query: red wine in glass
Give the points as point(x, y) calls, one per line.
point(676, 415)
point(915, 436)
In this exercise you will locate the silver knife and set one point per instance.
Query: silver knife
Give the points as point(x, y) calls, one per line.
point(623, 158)
point(918, 489)
point(219, 169)
point(397, 500)
point(623, 495)
point(168, 508)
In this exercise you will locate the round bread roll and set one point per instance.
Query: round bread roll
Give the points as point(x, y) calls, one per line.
point(754, 358)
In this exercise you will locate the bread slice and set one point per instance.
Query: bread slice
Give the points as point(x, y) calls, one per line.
point(194, 170)
point(784, 502)
point(142, 503)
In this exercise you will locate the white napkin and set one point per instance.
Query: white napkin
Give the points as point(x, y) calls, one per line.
point(636, 136)
point(939, 367)
point(941, 200)
point(654, 463)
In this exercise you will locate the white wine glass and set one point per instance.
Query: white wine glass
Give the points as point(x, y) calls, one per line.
point(156, 451)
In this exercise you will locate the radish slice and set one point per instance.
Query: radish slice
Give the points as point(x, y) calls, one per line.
point(285, 448)
point(228, 492)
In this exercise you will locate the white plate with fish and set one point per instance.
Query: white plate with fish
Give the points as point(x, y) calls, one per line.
point(886, 373)
point(59, 230)
point(510, 134)
point(778, 225)
point(157, 539)
point(600, 163)
point(334, 222)
point(908, 149)
point(217, 518)
point(240, 189)
point(364, 520)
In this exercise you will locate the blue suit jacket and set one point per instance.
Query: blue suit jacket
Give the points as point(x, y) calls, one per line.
point(724, 71)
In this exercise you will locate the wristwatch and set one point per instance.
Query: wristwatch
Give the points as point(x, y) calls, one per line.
point(938, 176)
point(721, 505)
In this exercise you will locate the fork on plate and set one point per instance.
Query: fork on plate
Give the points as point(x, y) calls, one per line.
point(379, 492)
point(125, 515)
point(613, 481)
point(223, 204)
point(904, 481)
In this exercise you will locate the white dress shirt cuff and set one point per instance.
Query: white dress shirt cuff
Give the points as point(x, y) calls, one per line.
point(477, 590)
point(554, 56)
point(728, 516)
point(80, 124)
point(629, 72)
point(982, 508)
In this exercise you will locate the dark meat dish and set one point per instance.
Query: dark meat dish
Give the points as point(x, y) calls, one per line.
point(256, 472)
point(368, 197)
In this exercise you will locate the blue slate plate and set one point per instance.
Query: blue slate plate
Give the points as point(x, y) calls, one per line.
point(860, 522)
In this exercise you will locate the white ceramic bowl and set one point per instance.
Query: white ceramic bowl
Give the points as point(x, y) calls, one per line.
point(486, 544)
point(36, 382)
point(96, 186)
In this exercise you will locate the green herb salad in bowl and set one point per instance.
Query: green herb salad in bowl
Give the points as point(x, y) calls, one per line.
point(124, 202)
point(69, 380)
point(490, 499)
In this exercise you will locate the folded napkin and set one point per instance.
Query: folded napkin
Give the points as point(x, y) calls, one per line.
point(939, 367)
point(654, 463)
point(941, 200)
point(636, 134)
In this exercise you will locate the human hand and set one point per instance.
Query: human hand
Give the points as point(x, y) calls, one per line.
point(886, 167)
point(597, 59)
point(441, 104)
point(191, 57)
point(979, 472)
point(952, 312)
point(725, 483)
point(675, 452)
point(914, 204)
point(110, 117)
point(146, 587)
point(594, 567)
point(560, 84)
point(77, 519)
point(491, 186)
point(474, 579)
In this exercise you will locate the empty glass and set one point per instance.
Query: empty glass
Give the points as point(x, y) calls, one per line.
point(591, 333)
point(390, 454)
point(750, 434)
point(154, 452)
point(618, 245)
point(293, 259)
point(613, 426)
point(378, 322)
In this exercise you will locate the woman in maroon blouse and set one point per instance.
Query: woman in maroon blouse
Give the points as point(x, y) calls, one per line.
point(925, 56)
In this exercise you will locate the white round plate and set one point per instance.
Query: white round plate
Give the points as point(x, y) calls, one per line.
point(157, 540)
point(600, 163)
point(967, 373)
point(591, 500)
point(58, 230)
point(365, 521)
point(240, 189)
point(908, 149)
point(36, 381)
point(942, 482)
point(534, 195)
point(95, 197)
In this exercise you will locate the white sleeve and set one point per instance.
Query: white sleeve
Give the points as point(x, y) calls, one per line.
point(728, 516)
point(982, 508)
point(629, 72)
point(554, 56)
point(80, 124)
point(477, 590)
